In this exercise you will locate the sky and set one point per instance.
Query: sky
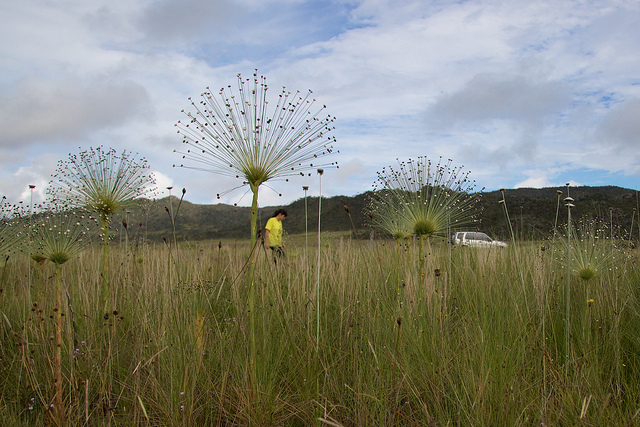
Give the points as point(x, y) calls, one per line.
point(521, 93)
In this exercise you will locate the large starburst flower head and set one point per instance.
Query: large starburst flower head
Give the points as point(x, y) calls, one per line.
point(12, 232)
point(592, 251)
point(59, 234)
point(426, 198)
point(241, 134)
point(101, 180)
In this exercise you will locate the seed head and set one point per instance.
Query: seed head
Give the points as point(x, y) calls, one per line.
point(101, 181)
point(239, 133)
point(423, 198)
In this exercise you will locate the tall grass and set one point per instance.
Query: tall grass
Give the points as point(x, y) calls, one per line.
point(449, 348)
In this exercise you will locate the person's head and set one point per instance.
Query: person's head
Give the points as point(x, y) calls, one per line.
point(280, 214)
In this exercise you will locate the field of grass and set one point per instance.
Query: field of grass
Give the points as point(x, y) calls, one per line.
point(367, 336)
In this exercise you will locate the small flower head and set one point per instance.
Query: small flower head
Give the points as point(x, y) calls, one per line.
point(591, 252)
point(58, 235)
point(101, 180)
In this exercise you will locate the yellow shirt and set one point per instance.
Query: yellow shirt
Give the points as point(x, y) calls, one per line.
point(275, 232)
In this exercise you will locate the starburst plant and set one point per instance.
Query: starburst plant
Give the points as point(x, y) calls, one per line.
point(239, 133)
point(101, 180)
point(105, 182)
point(57, 236)
point(423, 198)
point(592, 251)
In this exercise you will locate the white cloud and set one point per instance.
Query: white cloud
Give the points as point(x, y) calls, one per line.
point(620, 127)
point(43, 110)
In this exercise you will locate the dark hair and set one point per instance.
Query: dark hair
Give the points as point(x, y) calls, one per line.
point(278, 212)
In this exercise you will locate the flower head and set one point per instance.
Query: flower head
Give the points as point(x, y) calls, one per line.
point(591, 252)
point(239, 134)
point(101, 180)
point(423, 198)
point(58, 235)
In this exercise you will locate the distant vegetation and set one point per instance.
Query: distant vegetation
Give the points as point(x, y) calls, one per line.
point(532, 213)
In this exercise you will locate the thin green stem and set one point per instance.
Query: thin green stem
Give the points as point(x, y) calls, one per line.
point(251, 281)
point(59, 409)
point(106, 297)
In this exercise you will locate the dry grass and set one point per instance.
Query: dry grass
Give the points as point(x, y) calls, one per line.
point(457, 346)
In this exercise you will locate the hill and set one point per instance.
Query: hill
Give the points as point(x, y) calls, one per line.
point(532, 213)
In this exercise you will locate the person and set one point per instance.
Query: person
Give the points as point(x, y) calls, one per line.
point(273, 234)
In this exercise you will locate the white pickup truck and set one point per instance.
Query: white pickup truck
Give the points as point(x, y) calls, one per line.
point(476, 239)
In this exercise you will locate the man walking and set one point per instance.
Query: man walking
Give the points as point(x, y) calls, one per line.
point(273, 234)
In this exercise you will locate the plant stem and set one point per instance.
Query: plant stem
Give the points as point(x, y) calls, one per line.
point(251, 282)
point(568, 288)
point(318, 271)
point(105, 268)
point(59, 409)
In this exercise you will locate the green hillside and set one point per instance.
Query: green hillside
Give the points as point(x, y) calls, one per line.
point(532, 213)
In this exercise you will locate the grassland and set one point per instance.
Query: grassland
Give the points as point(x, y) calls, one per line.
point(467, 337)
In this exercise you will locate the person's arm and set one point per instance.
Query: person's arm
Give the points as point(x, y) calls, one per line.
point(266, 238)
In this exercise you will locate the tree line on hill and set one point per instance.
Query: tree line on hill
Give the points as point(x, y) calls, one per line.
point(532, 213)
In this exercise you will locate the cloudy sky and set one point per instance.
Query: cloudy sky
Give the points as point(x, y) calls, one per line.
point(522, 93)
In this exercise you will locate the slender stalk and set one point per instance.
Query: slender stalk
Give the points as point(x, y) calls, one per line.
point(106, 297)
point(59, 408)
point(251, 281)
point(569, 205)
point(320, 172)
point(31, 187)
point(306, 243)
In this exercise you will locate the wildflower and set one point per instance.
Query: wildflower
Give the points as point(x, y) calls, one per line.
point(242, 135)
point(424, 198)
point(238, 135)
point(59, 235)
point(101, 180)
point(104, 182)
point(591, 252)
